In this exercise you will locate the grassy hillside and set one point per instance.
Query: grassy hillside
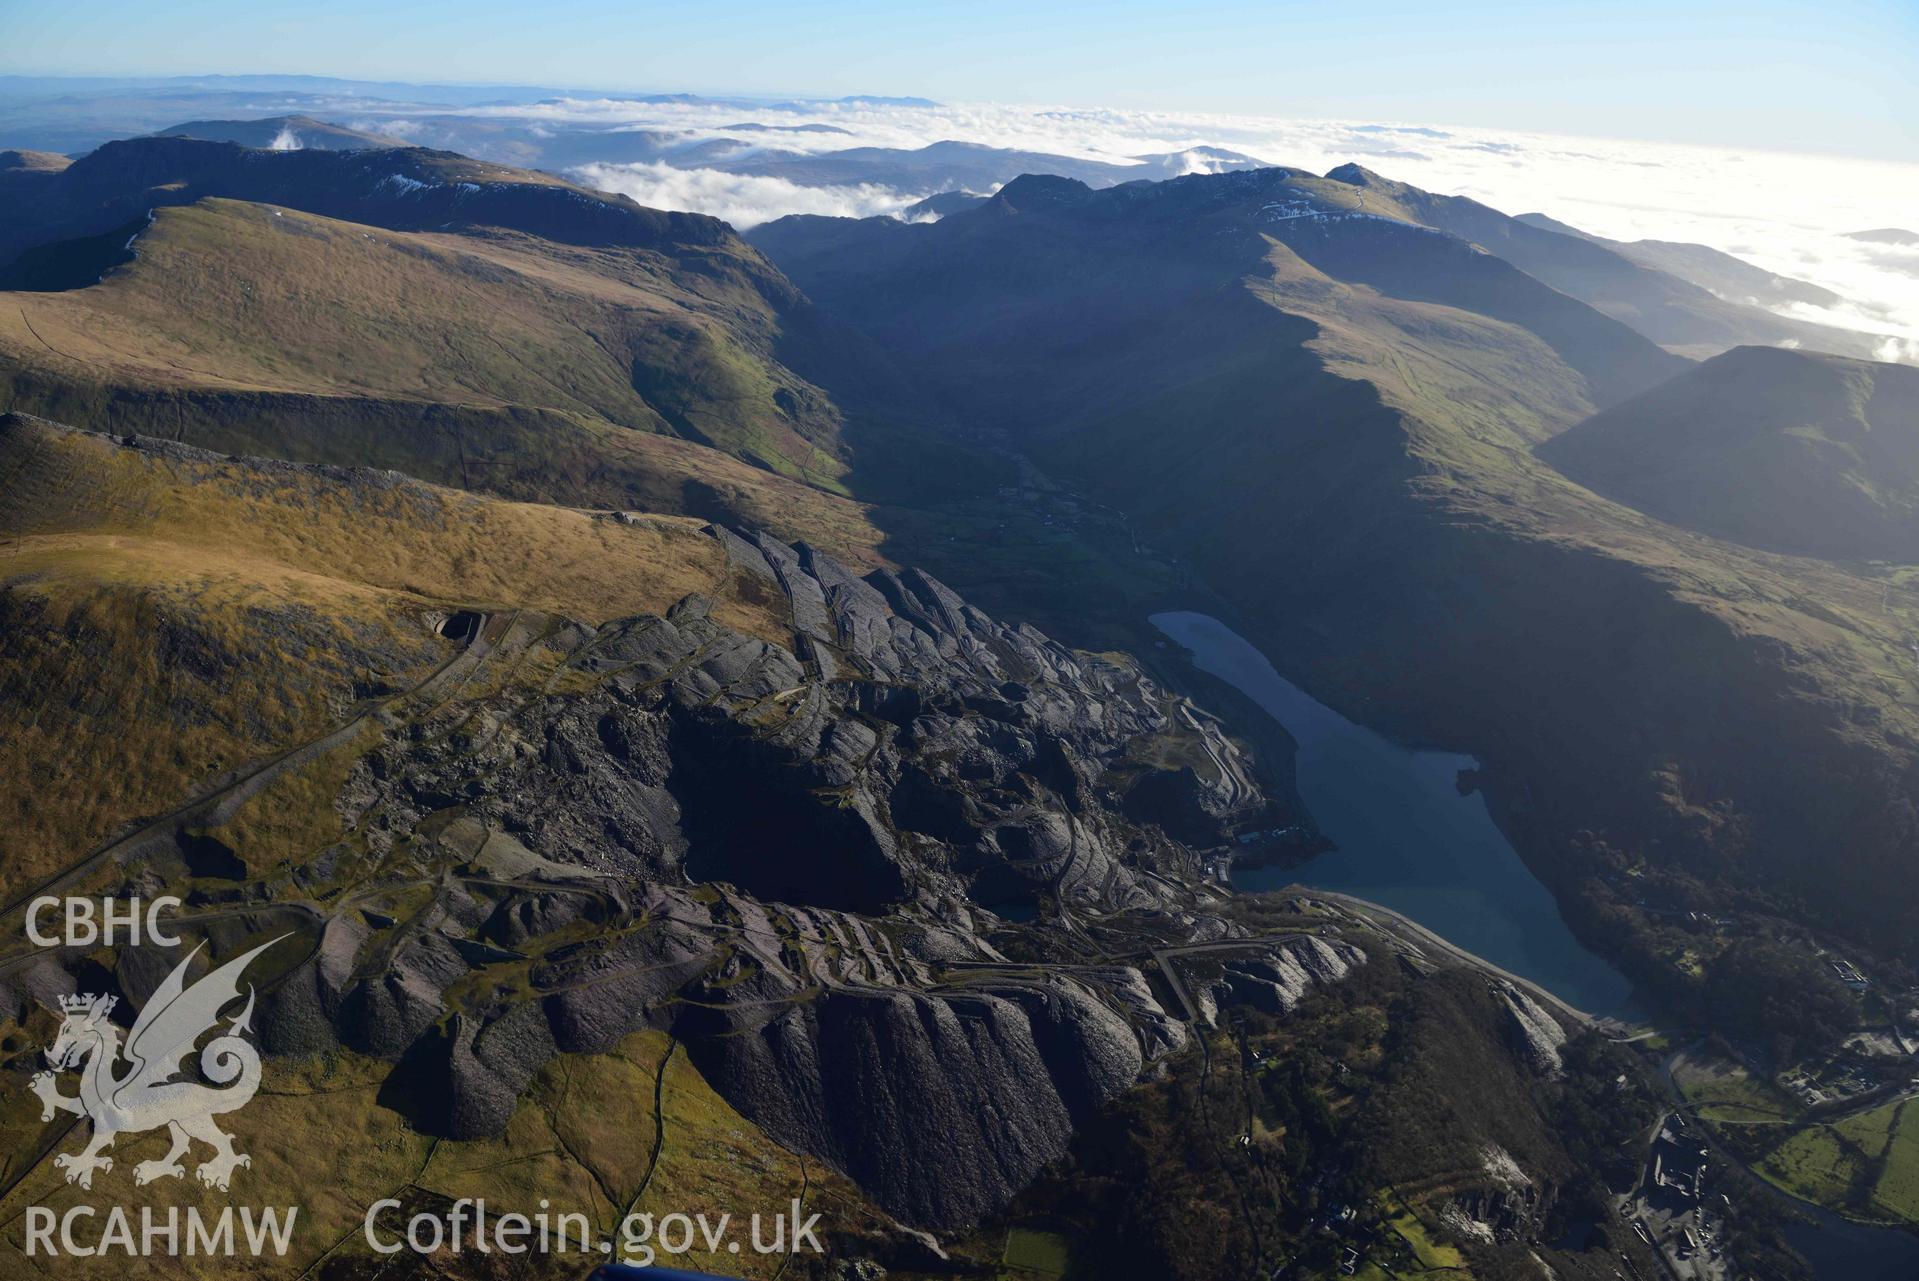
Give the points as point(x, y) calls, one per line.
point(198, 285)
point(32, 161)
point(491, 360)
point(287, 302)
point(171, 615)
point(172, 620)
point(1784, 450)
point(581, 1140)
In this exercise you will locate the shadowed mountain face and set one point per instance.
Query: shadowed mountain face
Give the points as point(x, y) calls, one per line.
point(26, 177)
point(1329, 408)
point(1131, 250)
point(1783, 450)
point(939, 205)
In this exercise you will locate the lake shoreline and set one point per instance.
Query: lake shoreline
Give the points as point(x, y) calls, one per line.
point(1409, 838)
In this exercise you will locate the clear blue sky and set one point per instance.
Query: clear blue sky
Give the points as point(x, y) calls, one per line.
point(1832, 76)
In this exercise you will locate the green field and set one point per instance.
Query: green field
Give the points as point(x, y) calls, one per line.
point(1408, 1249)
point(1898, 1189)
point(1032, 1254)
point(1865, 1165)
point(1870, 1132)
point(1896, 1193)
point(1813, 1163)
point(1432, 1256)
point(1722, 1090)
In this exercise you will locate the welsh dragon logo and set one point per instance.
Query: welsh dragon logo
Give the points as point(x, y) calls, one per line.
point(146, 1093)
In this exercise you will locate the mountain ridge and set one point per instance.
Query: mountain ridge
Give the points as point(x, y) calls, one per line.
point(1729, 277)
point(1672, 311)
point(484, 352)
point(1789, 451)
point(281, 133)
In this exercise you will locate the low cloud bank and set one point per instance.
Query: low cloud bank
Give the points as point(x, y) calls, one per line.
point(1787, 213)
point(741, 199)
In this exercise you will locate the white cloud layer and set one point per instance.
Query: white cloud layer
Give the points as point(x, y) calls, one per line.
point(1785, 212)
point(741, 199)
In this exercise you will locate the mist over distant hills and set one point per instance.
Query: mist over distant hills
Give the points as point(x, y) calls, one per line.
point(750, 159)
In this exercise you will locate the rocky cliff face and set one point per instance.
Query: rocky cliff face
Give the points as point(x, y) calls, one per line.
point(889, 871)
point(787, 857)
point(905, 749)
point(1533, 1032)
point(993, 1079)
point(1279, 979)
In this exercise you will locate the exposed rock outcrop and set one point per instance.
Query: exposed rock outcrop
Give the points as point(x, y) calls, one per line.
point(1534, 1032)
point(1282, 977)
point(871, 1082)
point(780, 855)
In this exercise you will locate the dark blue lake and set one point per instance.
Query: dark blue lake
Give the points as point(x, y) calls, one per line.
point(1406, 837)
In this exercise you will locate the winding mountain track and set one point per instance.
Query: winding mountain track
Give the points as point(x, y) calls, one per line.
point(219, 805)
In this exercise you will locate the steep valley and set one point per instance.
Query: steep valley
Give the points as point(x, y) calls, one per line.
point(1330, 416)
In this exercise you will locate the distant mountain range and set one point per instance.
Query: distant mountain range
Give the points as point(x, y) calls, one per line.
point(1691, 299)
point(1887, 236)
point(75, 116)
point(1732, 279)
point(1670, 293)
point(282, 133)
point(77, 113)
